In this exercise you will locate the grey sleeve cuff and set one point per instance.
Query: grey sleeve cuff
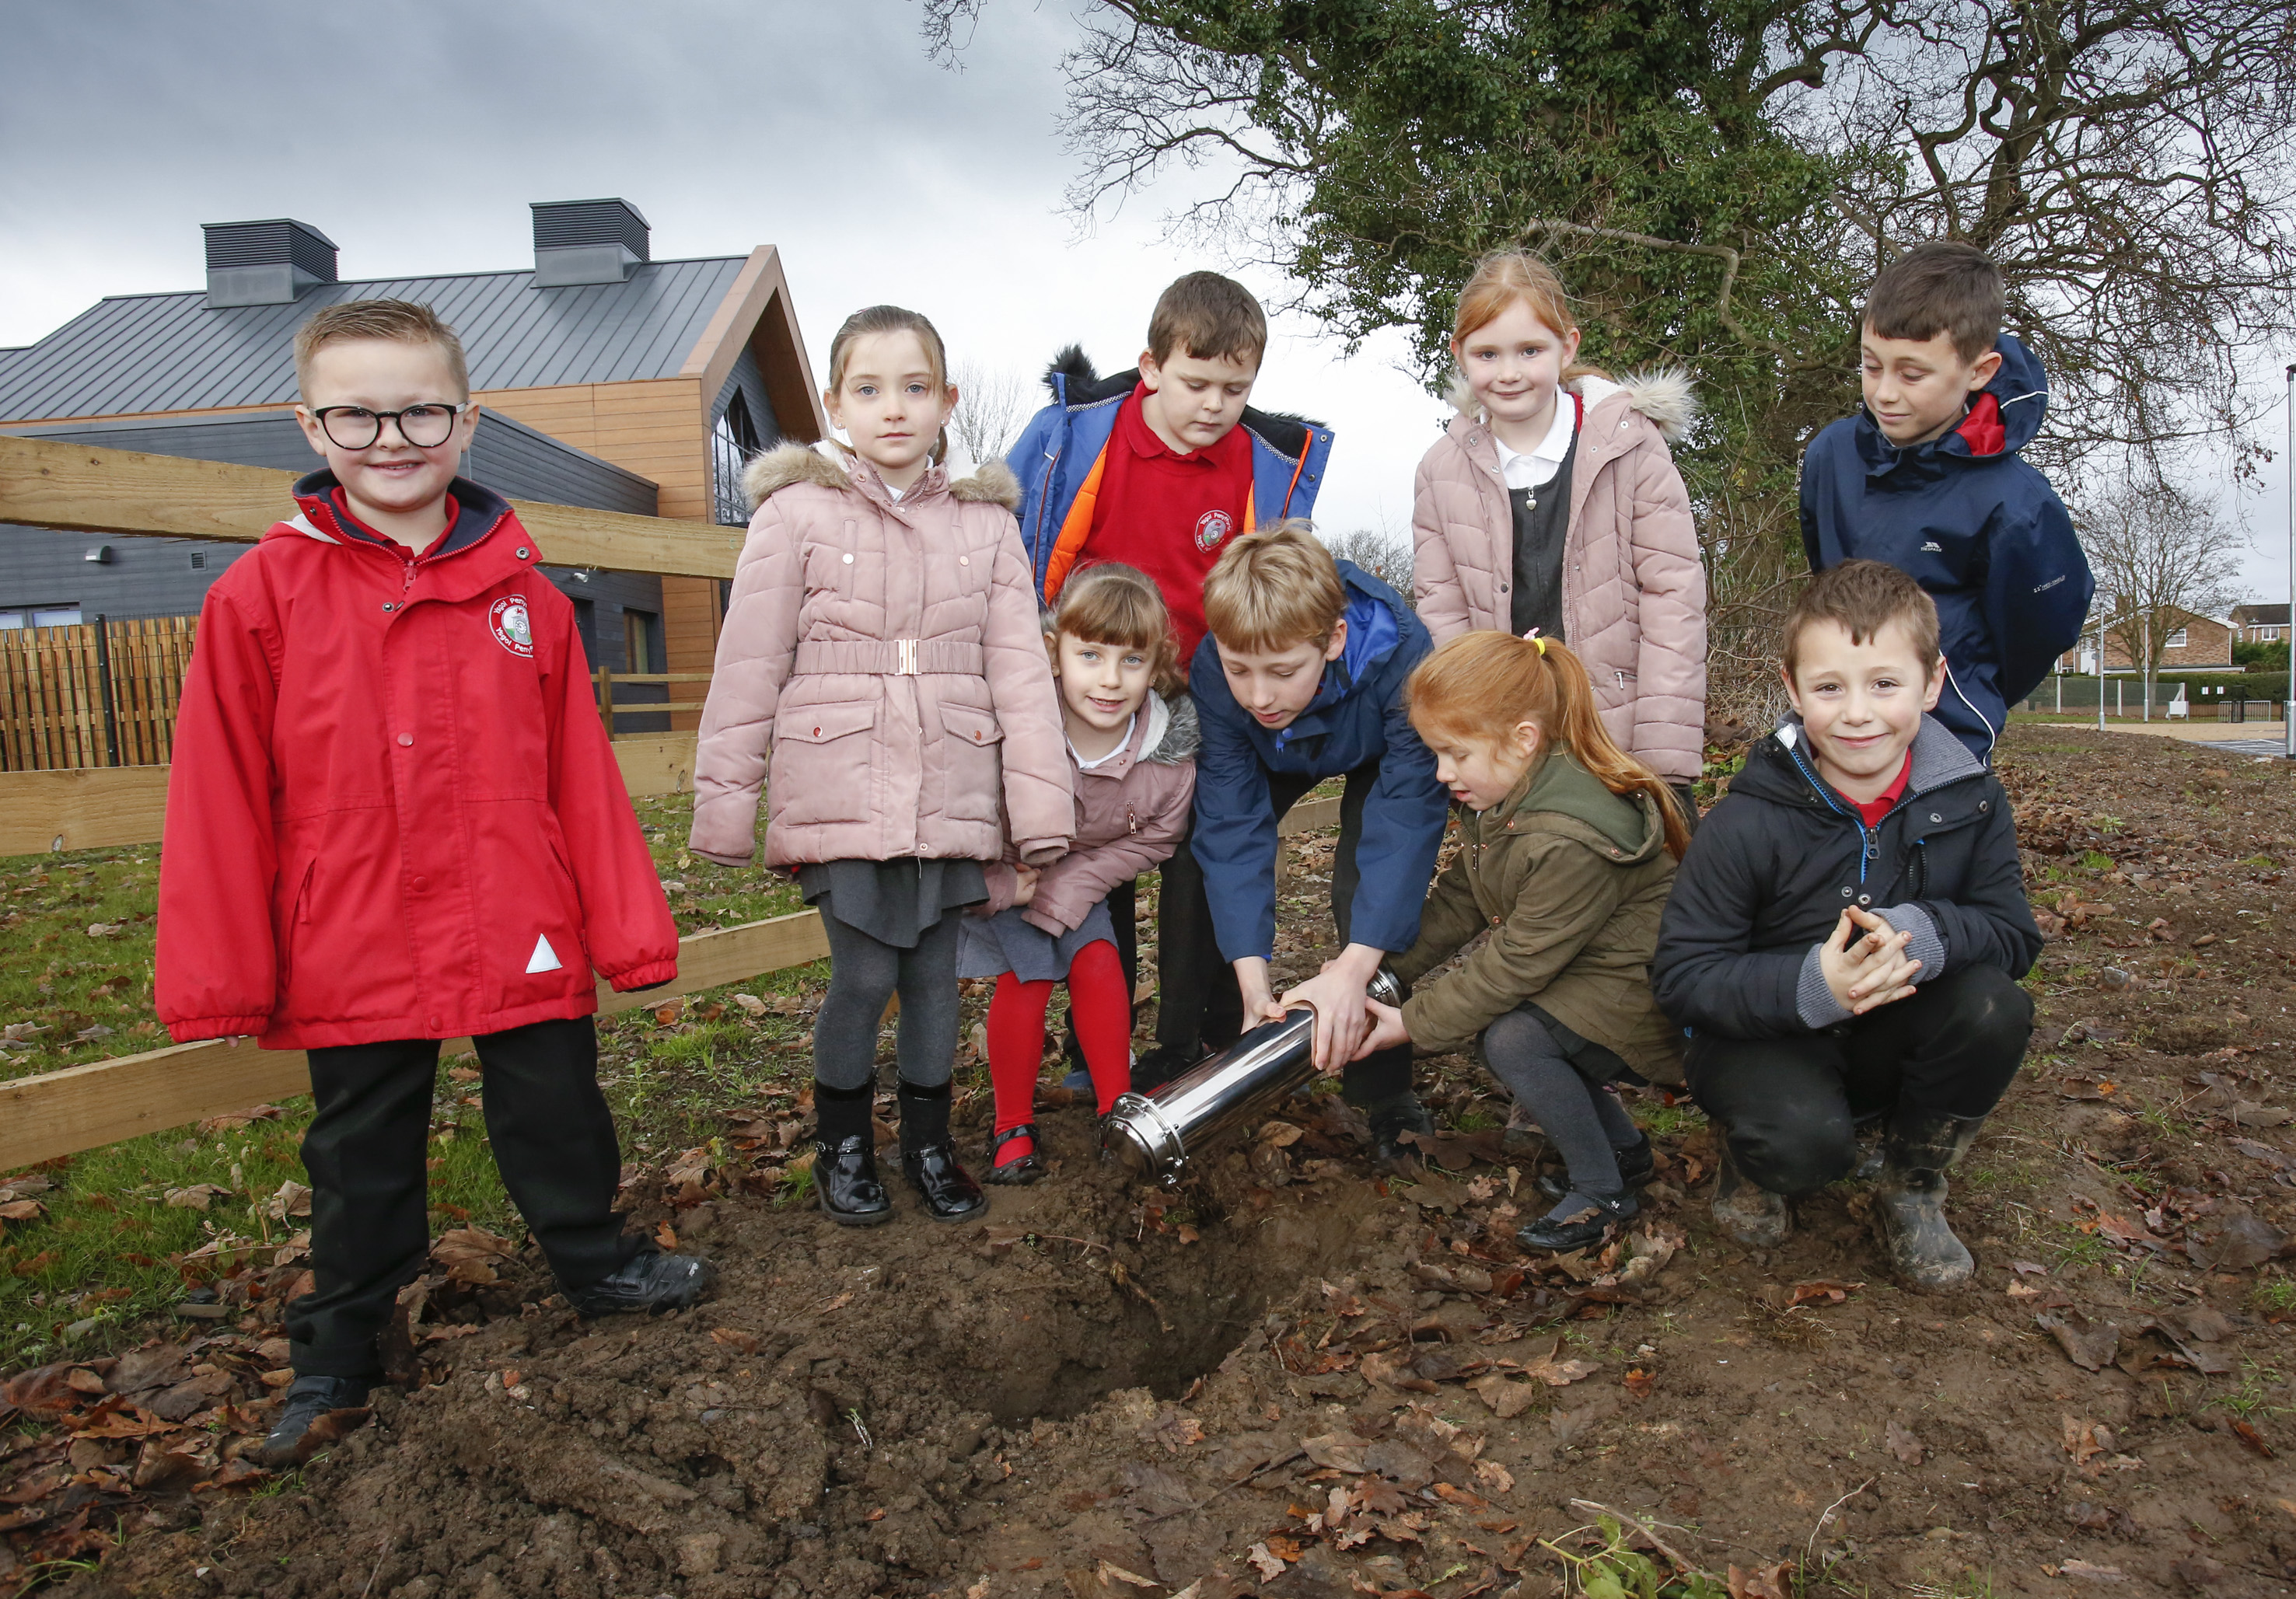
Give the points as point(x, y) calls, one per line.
point(1927, 945)
point(1814, 1001)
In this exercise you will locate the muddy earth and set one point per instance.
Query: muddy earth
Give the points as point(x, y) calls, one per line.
point(1291, 1376)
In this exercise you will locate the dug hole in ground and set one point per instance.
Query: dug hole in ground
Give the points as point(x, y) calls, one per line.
point(1288, 1376)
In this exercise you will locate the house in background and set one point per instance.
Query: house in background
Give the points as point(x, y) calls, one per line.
point(2195, 643)
point(605, 378)
point(2260, 624)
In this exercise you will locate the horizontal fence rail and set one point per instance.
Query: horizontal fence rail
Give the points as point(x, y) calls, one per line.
point(83, 1107)
point(46, 483)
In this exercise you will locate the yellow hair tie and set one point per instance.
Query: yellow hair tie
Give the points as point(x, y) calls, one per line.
point(1540, 642)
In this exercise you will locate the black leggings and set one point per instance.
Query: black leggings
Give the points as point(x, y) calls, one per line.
point(1790, 1107)
point(864, 973)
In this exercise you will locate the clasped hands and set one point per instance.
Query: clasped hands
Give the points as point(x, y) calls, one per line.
point(1864, 962)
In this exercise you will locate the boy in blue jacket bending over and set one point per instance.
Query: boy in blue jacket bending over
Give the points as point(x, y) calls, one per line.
point(1927, 479)
point(1300, 678)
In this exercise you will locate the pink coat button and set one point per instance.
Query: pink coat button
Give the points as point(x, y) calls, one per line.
point(406, 740)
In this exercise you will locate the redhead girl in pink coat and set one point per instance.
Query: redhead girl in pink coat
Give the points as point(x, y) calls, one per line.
point(881, 676)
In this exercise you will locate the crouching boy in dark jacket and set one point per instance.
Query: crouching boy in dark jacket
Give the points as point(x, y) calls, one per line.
point(1846, 934)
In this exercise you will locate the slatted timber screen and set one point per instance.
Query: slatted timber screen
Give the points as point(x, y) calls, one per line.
point(53, 714)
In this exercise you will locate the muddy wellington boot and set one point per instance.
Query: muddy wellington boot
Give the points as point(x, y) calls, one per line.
point(1910, 1198)
point(1748, 1214)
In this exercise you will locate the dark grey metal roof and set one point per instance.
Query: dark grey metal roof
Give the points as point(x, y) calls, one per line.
point(172, 352)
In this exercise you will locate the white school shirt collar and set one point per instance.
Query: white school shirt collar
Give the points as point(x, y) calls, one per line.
point(1537, 467)
point(1118, 749)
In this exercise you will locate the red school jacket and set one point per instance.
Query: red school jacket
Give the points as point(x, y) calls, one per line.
point(393, 811)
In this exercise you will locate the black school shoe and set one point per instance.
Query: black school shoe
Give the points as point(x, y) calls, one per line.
point(1580, 1219)
point(1636, 1164)
point(1027, 1168)
point(649, 1281)
point(845, 1177)
point(1390, 1120)
point(290, 1441)
point(1158, 1066)
point(950, 1194)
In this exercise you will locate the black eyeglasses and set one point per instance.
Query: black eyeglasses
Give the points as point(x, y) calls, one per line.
point(356, 428)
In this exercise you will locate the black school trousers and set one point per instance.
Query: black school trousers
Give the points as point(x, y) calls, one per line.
point(1199, 1005)
point(552, 1139)
point(1790, 1107)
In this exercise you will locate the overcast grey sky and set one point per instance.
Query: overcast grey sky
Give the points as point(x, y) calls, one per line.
point(414, 134)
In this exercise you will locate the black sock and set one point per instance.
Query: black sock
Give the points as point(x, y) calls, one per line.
point(925, 1116)
point(842, 1113)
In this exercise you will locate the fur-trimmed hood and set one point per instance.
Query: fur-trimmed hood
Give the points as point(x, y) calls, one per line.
point(827, 465)
point(1173, 733)
point(1665, 395)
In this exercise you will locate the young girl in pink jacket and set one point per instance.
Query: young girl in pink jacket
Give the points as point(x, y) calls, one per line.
point(1552, 503)
point(882, 675)
point(1132, 742)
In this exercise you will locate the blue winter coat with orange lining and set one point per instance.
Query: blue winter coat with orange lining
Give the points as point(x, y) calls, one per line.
point(1974, 524)
point(1058, 459)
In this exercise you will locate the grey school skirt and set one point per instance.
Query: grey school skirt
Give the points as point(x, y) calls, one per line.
point(992, 946)
point(894, 901)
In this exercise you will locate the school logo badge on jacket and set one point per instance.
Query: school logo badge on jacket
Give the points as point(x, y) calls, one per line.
point(513, 628)
point(1212, 526)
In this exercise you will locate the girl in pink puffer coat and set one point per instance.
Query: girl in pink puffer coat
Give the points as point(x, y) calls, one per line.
point(1132, 740)
point(881, 676)
point(1552, 503)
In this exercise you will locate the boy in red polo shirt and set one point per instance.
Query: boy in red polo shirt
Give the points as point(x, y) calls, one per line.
point(394, 818)
point(1159, 469)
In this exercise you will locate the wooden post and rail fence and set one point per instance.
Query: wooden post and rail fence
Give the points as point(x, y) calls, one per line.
point(107, 800)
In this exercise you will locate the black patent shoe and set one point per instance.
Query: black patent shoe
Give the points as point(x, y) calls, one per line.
point(1636, 1164)
point(845, 1176)
point(319, 1411)
point(950, 1194)
point(1390, 1121)
point(1028, 1169)
point(649, 1281)
point(1579, 1220)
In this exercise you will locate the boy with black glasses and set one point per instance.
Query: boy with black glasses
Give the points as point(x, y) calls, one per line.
point(394, 818)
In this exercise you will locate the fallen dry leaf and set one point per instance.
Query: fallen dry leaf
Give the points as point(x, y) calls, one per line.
point(1902, 1443)
point(1823, 1291)
point(1110, 1571)
point(1267, 1565)
point(1283, 1135)
point(199, 1196)
point(1507, 1399)
point(23, 1210)
point(1494, 1478)
point(750, 1003)
point(468, 1254)
point(733, 1338)
point(2082, 1571)
point(1762, 1582)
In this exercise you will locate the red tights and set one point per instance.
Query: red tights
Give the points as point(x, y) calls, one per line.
point(1102, 1010)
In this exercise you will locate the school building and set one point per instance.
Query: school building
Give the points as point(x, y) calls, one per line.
point(606, 379)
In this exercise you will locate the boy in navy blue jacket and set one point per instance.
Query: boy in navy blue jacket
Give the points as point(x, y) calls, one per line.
point(1300, 678)
point(1927, 479)
point(1847, 932)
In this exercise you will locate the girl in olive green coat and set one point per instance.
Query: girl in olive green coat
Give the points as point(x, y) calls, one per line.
point(1566, 850)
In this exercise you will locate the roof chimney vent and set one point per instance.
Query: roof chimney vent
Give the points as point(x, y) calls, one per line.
point(266, 262)
point(587, 241)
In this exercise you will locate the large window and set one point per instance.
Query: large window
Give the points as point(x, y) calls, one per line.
point(732, 440)
point(39, 616)
point(2176, 639)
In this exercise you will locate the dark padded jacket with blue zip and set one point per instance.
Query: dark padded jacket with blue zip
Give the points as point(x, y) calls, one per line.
point(1973, 523)
point(1772, 865)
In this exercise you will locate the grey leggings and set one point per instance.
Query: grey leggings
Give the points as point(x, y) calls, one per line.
point(1557, 1076)
point(864, 973)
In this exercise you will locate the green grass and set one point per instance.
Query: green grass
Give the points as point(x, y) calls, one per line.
point(2257, 1394)
point(2274, 1294)
point(108, 1251)
point(1663, 1120)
